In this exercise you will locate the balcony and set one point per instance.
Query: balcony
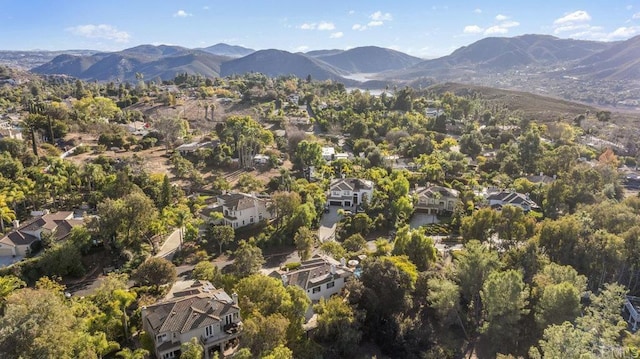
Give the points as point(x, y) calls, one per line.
point(229, 331)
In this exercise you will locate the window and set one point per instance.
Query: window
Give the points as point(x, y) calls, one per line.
point(162, 337)
point(208, 331)
point(251, 220)
point(331, 285)
point(315, 290)
point(227, 319)
point(346, 193)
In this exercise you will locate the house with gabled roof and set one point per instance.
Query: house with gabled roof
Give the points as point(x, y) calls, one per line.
point(19, 241)
point(347, 192)
point(319, 277)
point(200, 311)
point(435, 199)
point(503, 198)
point(241, 209)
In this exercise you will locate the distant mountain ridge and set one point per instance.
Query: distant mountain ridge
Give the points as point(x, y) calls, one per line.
point(228, 50)
point(535, 63)
point(151, 61)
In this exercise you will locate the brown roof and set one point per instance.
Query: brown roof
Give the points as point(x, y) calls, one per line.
point(195, 307)
point(61, 223)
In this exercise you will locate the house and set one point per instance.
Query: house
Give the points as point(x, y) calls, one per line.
point(138, 128)
point(260, 159)
point(503, 198)
point(319, 277)
point(241, 209)
point(541, 179)
point(19, 241)
point(299, 120)
point(435, 199)
point(347, 192)
point(199, 311)
point(192, 147)
point(328, 153)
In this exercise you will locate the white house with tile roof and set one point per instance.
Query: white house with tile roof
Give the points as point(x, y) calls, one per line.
point(319, 277)
point(435, 199)
point(241, 209)
point(19, 241)
point(347, 192)
point(200, 311)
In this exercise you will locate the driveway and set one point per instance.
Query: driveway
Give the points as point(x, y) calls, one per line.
point(421, 219)
point(170, 246)
point(328, 222)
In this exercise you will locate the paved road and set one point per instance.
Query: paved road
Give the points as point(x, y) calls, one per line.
point(170, 246)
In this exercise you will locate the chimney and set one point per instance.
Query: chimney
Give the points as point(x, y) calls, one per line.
point(16, 224)
point(343, 261)
point(285, 279)
point(234, 296)
point(541, 174)
point(333, 269)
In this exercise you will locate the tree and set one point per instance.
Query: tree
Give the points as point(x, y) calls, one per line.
point(504, 297)
point(481, 225)
point(338, 327)
point(558, 303)
point(262, 333)
point(513, 225)
point(444, 297)
point(248, 259)
point(155, 272)
point(222, 235)
point(171, 129)
point(40, 323)
point(283, 205)
point(127, 353)
point(6, 213)
point(333, 249)
point(354, 243)
point(8, 284)
point(191, 349)
point(472, 267)
point(304, 241)
point(416, 245)
point(206, 270)
point(308, 154)
point(279, 352)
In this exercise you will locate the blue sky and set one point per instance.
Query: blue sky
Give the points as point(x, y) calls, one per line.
point(421, 28)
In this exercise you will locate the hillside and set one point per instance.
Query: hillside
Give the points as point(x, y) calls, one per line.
point(151, 61)
point(499, 54)
point(234, 51)
point(621, 61)
point(278, 62)
point(369, 59)
point(532, 106)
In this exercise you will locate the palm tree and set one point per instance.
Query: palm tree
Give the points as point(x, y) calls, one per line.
point(127, 353)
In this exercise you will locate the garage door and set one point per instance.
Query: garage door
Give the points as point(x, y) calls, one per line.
point(6, 251)
point(335, 203)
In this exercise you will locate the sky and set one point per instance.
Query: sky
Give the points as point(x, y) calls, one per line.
point(422, 28)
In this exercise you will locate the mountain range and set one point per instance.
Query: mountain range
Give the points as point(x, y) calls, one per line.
point(534, 63)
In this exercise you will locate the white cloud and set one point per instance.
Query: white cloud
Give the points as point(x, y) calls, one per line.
point(351, 12)
point(496, 30)
point(302, 48)
point(624, 32)
point(375, 23)
point(322, 26)
point(380, 16)
point(477, 11)
point(576, 16)
point(358, 27)
point(101, 31)
point(636, 15)
point(326, 26)
point(182, 13)
point(205, 8)
point(509, 24)
point(336, 35)
point(472, 29)
point(629, 7)
point(501, 17)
